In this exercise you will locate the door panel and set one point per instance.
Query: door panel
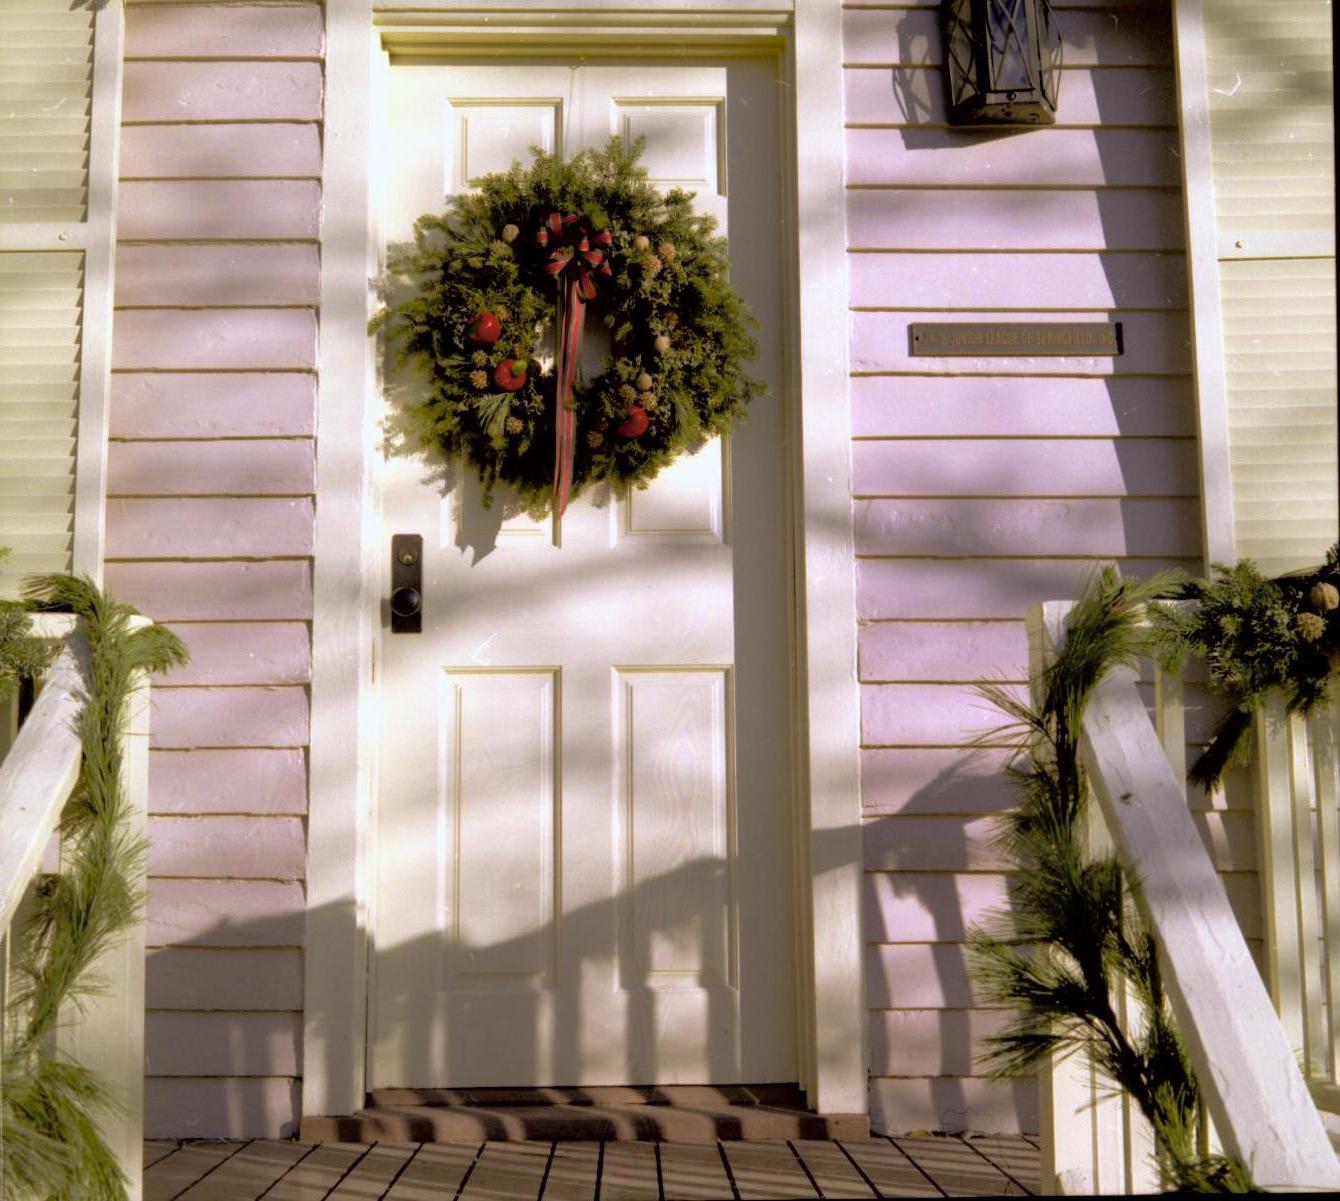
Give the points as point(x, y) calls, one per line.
point(584, 790)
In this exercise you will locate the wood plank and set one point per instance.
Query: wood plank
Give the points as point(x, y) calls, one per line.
point(955, 1168)
point(226, 151)
point(167, 404)
point(222, 91)
point(763, 1171)
point(238, 847)
point(177, 1172)
point(1016, 1157)
point(210, 339)
point(253, 979)
point(248, 1173)
point(186, 591)
point(205, 31)
point(267, 780)
point(891, 1172)
point(229, 717)
point(225, 913)
point(157, 275)
point(312, 1178)
point(627, 1172)
point(156, 1149)
point(438, 1170)
point(504, 1172)
point(373, 1173)
point(832, 1171)
point(572, 1172)
point(213, 1043)
point(276, 653)
point(693, 1172)
point(240, 1106)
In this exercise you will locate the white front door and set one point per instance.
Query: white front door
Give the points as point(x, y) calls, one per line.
point(585, 784)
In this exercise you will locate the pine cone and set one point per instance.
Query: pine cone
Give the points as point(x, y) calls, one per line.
point(627, 393)
point(502, 312)
point(514, 425)
point(480, 358)
point(641, 242)
point(644, 382)
point(651, 264)
point(646, 399)
point(510, 232)
point(594, 440)
point(662, 344)
point(480, 379)
point(1310, 626)
point(667, 251)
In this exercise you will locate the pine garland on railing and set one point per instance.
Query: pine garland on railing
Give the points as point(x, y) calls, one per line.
point(1258, 637)
point(22, 657)
point(1073, 940)
point(52, 1146)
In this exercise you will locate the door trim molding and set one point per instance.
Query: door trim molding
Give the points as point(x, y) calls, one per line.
point(828, 863)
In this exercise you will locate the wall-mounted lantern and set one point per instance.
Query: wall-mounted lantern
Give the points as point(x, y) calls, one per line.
point(1002, 61)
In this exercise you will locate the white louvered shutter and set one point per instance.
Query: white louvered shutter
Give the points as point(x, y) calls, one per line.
point(59, 109)
point(1268, 74)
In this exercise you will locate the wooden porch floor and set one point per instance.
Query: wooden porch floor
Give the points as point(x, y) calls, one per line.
point(914, 1166)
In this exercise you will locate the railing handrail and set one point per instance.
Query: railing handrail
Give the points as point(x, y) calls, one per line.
point(37, 775)
point(1253, 1087)
point(40, 769)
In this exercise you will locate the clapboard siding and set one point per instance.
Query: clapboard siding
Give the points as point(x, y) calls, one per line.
point(211, 479)
point(202, 979)
point(983, 485)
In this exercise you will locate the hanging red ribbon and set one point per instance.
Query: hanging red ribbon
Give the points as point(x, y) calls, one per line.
point(576, 257)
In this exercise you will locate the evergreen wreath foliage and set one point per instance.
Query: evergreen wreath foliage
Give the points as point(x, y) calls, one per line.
point(680, 336)
point(52, 1146)
point(1073, 938)
point(1257, 636)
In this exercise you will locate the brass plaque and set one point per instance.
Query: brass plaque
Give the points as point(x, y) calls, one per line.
point(991, 338)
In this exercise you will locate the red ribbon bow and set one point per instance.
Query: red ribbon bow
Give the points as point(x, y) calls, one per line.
point(577, 255)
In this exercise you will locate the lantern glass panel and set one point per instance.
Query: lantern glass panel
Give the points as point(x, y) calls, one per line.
point(1007, 39)
point(959, 50)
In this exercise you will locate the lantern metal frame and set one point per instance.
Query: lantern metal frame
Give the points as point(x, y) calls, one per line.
point(1002, 61)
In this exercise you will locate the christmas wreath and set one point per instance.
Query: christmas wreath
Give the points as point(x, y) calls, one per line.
point(495, 293)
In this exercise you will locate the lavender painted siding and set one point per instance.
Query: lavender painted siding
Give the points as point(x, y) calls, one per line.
point(210, 513)
point(984, 485)
point(981, 486)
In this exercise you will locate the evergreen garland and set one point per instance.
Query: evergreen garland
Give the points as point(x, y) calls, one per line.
point(22, 657)
point(1258, 636)
point(52, 1146)
point(679, 333)
point(1073, 938)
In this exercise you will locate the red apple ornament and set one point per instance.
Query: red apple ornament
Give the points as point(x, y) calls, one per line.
point(484, 328)
point(635, 423)
point(510, 374)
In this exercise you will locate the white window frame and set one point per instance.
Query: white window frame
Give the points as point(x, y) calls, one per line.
point(807, 40)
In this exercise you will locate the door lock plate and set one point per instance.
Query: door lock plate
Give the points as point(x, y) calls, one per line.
point(406, 583)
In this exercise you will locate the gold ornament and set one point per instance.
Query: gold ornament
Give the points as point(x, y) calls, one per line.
point(667, 251)
point(1324, 596)
point(514, 425)
point(510, 232)
point(480, 379)
point(662, 344)
point(642, 242)
point(1310, 626)
point(644, 382)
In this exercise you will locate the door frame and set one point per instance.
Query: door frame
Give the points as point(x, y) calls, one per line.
point(806, 39)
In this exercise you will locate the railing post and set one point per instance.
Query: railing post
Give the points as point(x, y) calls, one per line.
point(107, 1037)
point(1325, 736)
point(1279, 877)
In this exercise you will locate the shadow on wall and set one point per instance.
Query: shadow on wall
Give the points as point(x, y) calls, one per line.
point(546, 1048)
point(1083, 461)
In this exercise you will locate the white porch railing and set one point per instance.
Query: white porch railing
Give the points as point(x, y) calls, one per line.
point(1093, 1138)
point(38, 771)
